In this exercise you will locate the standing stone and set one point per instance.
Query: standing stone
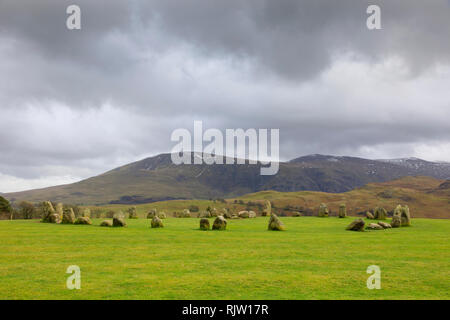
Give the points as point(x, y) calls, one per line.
point(223, 212)
point(59, 210)
point(54, 218)
point(106, 223)
point(68, 216)
point(252, 214)
point(356, 225)
point(374, 226)
point(323, 210)
point(204, 224)
point(157, 223)
point(119, 221)
point(396, 222)
point(214, 212)
point(384, 225)
point(379, 213)
point(47, 210)
point(267, 209)
point(369, 215)
point(83, 220)
point(152, 213)
point(275, 223)
point(403, 213)
point(220, 223)
point(132, 213)
point(162, 215)
point(186, 213)
point(342, 211)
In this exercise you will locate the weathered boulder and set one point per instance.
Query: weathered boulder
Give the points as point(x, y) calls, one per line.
point(267, 209)
point(356, 225)
point(132, 213)
point(47, 210)
point(379, 213)
point(223, 212)
point(157, 223)
point(152, 213)
point(220, 223)
point(106, 223)
point(374, 226)
point(243, 214)
point(403, 213)
point(369, 215)
point(68, 216)
point(297, 214)
point(342, 211)
point(119, 221)
point(384, 225)
point(275, 223)
point(252, 214)
point(204, 224)
point(83, 220)
point(323, 210)
point(396, 222)
point(228, 214)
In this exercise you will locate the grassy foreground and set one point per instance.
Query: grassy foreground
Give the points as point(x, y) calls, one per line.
point(314, 259)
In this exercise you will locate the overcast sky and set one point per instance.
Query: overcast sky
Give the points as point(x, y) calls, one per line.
point(75, 103)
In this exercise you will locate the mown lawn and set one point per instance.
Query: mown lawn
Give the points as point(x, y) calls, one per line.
point(314, 259)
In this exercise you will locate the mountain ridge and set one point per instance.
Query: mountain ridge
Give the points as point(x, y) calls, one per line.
point(157, 178)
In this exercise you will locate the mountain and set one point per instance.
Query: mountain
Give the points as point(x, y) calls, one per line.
point(157, 178)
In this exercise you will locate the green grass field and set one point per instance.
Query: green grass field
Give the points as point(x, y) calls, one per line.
point(314, 259)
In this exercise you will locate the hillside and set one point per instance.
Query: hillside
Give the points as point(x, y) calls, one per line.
point(427, 198)
point(157, 179)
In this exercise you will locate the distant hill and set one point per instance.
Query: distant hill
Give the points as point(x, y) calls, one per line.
point(157, 179)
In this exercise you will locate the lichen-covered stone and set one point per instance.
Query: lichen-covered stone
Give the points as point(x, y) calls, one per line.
point(252, 214)
point(403, 213)
point(162, 215)
point(47, 210)
point(342, 211)
point(119, 221)
point(396, 222)
point(186, 213)
point(204, 224)
point(384, 225)
point(323, 210)
point(68, 216)
point(275, 223)
point(59, 210)
point(219, 223)
point(379, 213)
point(83, 220)
point(157, 223)
point(369, 215)
point(374, 226)
point(152, 213)
point(243, 214)
point(106, 223)
point(267, 209)
point(132, 213)
point(54, 218)
point(356, 225)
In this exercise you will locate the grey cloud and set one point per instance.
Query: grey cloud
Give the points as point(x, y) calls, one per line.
point(86, 101)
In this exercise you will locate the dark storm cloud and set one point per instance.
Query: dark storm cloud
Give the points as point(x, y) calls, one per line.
point(113, 91)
